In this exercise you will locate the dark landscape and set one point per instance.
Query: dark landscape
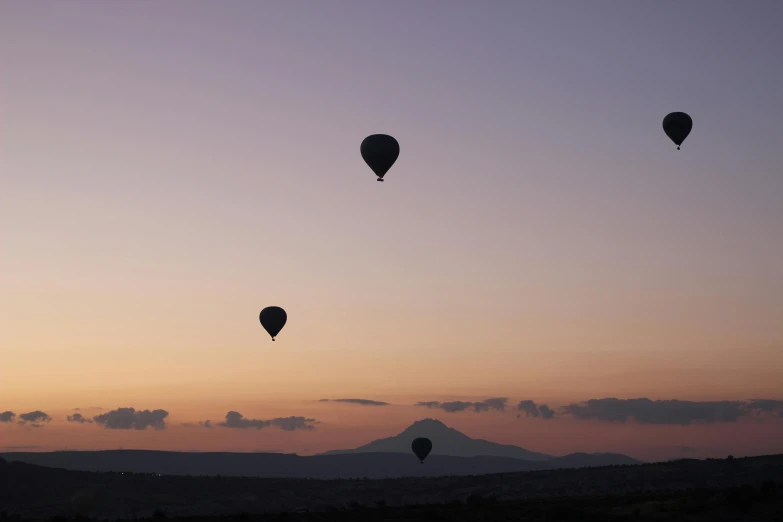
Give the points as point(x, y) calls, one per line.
point(688, 487)
point(465, 479)
point(275, 465)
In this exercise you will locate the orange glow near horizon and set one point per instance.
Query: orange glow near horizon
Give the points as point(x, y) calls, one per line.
point(539, 237)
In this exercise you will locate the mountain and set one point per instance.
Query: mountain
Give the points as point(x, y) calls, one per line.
point(445, 441)
point(453, 453)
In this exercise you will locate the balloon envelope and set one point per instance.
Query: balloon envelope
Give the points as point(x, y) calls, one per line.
point(273, 319)
point(380, 151)
point(421, 447)
point(677, 126)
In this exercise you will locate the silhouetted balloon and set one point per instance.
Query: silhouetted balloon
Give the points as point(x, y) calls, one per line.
point(380, 151)
point(677, 126)
point(273, 319)
point(421, 447)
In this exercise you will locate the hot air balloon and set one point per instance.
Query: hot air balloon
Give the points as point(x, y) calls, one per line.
point(677, 126)
point(421, 447)
point(273, 320)
point(380, 151)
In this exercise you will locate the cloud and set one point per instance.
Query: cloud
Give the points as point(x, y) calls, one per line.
point(14, 448)
point(204, 424)
point(683, 413)
point(498, 403)
point(450, 407)
point(88, 408)
point(34, 417)
point(455, 406)
point(763, 406)
point(237, 420)
point(362, 402)
point(129, 418)
point(77, 417)
point(7, 416)
point(546, 412)
point(293, 423)
point(530, 409)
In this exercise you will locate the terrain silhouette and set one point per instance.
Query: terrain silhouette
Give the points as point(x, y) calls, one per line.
point(446, 441)
point(459, 455)
point(38, 492)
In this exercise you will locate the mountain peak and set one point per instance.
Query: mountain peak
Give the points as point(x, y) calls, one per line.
point(427, 423)
point(428, 420)
point(445, 441)
point(434, 430)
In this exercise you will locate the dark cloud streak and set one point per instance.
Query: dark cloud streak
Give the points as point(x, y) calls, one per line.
point(237, 420)
point(34, 417)
point(674, 412)
point(204, 424)
point(293, 423)
point(530, 409)
point(766, 406)
point(361, 402)
point(131, 419)
point(546, 412)
point(497, 403)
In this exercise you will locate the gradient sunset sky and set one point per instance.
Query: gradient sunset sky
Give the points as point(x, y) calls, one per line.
point(168, 169)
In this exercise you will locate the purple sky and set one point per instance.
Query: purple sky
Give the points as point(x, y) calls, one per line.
point(170, 168)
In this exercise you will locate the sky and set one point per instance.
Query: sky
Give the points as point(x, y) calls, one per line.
point(169, 169)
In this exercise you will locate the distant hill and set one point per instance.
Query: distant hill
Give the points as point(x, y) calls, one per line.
point(445, 441)
point(589, 460)
point(39, 492)
point(277, 465)
point(453, 454)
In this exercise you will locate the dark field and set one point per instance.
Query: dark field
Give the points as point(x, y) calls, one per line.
point(739, 504)
point(732, 489)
